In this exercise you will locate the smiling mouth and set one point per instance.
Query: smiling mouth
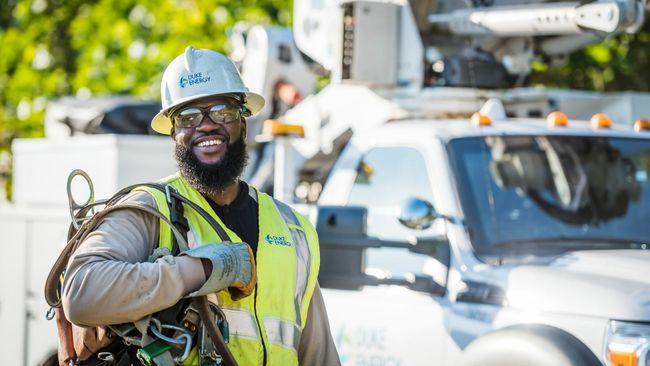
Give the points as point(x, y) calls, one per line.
point(210, 141)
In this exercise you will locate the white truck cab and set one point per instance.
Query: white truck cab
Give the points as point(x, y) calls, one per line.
point(537, 240)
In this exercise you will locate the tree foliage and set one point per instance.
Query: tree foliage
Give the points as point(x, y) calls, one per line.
point(52, 48)
point(56, 47)
point(616, 64)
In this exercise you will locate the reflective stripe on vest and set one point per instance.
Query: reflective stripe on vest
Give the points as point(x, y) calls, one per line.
point(245, 321)
point(281, 332)
point(287, 265)
point(302, 254)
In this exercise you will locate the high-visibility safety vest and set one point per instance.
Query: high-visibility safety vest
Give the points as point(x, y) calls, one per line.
point(266, 325)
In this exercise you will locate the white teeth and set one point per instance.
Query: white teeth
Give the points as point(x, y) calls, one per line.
point(209, 143)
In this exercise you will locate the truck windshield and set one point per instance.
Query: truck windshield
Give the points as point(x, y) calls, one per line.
point(544, 195)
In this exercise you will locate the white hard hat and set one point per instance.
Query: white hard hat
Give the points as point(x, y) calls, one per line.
point(199, 73)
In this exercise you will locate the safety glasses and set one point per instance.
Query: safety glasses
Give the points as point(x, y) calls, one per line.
point(222, 114)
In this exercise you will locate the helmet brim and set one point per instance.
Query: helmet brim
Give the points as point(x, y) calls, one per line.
point(161, 123)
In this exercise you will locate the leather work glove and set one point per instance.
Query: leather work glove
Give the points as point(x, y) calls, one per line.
point(233, 267)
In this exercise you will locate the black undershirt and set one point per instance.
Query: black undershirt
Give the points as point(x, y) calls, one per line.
point(240, 216)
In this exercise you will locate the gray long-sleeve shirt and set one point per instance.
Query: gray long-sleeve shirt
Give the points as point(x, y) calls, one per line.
point(109, 281)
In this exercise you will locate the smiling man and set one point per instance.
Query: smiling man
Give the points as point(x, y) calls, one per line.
point(265, 279)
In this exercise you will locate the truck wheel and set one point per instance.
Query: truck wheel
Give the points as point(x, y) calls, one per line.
point(528, 345)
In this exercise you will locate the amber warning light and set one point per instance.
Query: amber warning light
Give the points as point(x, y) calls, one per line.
point(600, 121)
point(557, 119)
point(273, 127)
point(642, 124)
point(479, 119)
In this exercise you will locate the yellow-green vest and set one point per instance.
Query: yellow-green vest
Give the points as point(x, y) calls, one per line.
point(287, 262)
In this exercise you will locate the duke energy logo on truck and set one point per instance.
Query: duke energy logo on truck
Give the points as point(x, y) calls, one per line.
point(192, 79)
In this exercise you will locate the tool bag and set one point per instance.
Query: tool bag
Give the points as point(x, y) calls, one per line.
point(159, 337)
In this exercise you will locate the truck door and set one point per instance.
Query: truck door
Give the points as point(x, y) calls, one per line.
point(390, 325)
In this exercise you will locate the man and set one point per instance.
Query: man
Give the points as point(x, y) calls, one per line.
point(279, 319)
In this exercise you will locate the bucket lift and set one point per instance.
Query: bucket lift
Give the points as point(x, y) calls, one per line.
point(396, 59)
point(454, 42)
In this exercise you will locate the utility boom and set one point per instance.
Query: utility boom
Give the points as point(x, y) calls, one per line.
point(481, 35)
point(564, 18)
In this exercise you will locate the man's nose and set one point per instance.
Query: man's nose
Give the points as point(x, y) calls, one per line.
point(207, 124)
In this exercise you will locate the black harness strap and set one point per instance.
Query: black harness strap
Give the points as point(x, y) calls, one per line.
point(176, 216)
point(173, 194)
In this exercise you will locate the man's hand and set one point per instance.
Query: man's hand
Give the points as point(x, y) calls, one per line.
point(78, 343)
point(88, 341)
point(226, 265)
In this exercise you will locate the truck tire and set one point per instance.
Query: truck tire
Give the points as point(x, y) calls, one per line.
point(528, 345)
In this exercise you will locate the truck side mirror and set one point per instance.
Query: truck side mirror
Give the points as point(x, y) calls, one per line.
point(342, 237)
point(343, 241)
point(417, 214)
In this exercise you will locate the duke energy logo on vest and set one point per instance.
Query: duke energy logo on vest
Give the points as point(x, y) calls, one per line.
point(277, 240)
point(193, 79)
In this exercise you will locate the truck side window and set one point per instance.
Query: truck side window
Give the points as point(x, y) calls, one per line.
point(386, 177)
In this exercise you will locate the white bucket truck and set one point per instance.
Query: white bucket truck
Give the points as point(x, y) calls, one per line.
point(505, 244)
point(508, 240)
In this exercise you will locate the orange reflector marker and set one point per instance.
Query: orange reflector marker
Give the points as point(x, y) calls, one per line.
point(600, 120)
point(273, 127)
point(622, 358)
point(642, 124)
point(479, 119)
point(557, 119)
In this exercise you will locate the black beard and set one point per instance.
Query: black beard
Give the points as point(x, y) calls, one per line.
point(212, 178)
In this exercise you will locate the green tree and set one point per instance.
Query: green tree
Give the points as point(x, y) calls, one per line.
point(616, 64)
point(52, 48)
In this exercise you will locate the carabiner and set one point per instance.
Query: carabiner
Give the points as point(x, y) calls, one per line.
point(73, 205)
point(156, 328)
point(50, 314)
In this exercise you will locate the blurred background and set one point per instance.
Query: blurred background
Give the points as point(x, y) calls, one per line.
point(54, 48)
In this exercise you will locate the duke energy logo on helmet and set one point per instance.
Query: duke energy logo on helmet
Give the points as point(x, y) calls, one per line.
point(277, 240)
point(193, 79)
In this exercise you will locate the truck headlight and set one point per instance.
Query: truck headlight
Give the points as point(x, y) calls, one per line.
point(627, 344)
